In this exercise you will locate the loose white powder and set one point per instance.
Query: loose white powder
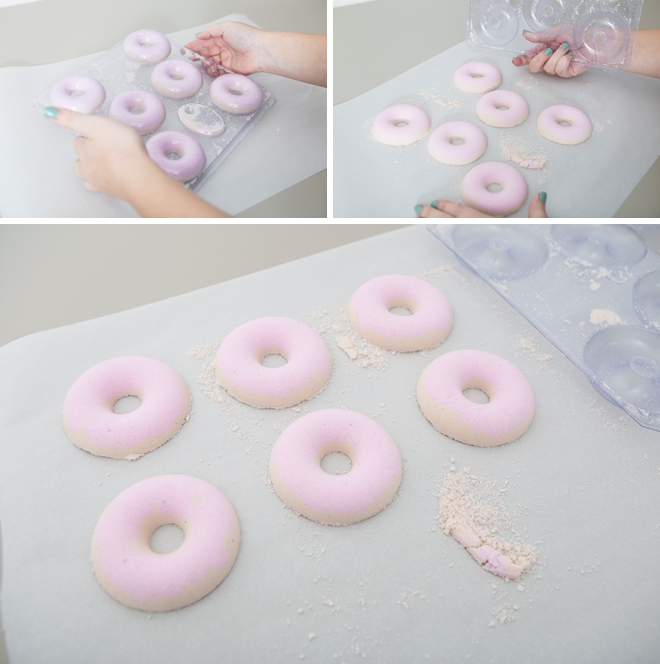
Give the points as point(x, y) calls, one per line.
point(604, 316)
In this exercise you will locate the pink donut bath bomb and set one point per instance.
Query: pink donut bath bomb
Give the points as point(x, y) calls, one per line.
point(133, 574)
point(503, 419)
point(578, 130)
point(474, 143)
point(337, 500)
point(475, 192)
point(235, 93)
point(147, 46)
point(428, 326)
point(152, 109)
point(403, 124)
point(79, 93)
point(477, 77)
point(177, 79)
point(502, 108)
point(307, 371)
point(92, 425)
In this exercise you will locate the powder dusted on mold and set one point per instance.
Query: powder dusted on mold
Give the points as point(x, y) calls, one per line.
point(604, 317)
point(472, 510)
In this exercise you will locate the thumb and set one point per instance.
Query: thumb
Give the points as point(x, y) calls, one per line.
point(535, 37)
point(79, 123)
point(537, 206)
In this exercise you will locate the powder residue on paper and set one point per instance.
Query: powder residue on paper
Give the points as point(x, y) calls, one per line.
point(473, 511)
point(519, 153)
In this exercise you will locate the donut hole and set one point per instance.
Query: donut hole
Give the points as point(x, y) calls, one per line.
point(126, 404)
point(146, 44)
point(502, 107)
point(273, 361)
point(457, 141)
point(136, 110)
point(236, 91)
point(401, 123)
point(336, 463)
point(494, 187)
point(476, 395)
point(173, 154)
point(400, 311)
point(477, 75)
point(166, 539)
point(564, 123)
point(76, 93)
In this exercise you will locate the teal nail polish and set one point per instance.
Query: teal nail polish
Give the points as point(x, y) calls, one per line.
point(418, 209)
point(197, 34)
point(570, 53)
point(548, 51)
point(543, 197)
point(564, 46)
point(50, 112)
point(434, 204)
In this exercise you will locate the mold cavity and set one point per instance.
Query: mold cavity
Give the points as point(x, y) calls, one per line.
point(457, 141)
point(564, 123)
point(136, 110)
point(167, 539)
point(336, 463)
point(547, 10)
point(274, 360)
point(401, 311)
point(76, 93)
point(644, 366)
point(598, 238)
point(494, 187)
point(173, 154)
point(600, 37)
point(476, 396)
point(189, 110)
point(401, 123)
point(495, 23)
point(126, 405)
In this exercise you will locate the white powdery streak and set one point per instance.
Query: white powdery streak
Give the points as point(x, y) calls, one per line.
point(473, 511)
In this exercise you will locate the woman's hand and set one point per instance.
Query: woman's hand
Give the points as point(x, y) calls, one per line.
point(109, 153)
point(553, 55)
point(235, 46)
point(449, 210)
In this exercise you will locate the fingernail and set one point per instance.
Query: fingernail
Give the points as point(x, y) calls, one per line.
point(434, 204)
point(543, 197)
point(418, 209)
point(564, 46)
point(197, 34)
point(50, 112)
point(548, 51)
point(570, 53)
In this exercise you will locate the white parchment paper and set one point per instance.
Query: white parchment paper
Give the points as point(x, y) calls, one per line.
point(587, 180)
point(36, 157)
point(581, 485)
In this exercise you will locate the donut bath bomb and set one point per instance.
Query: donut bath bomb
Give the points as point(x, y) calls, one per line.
point(132, 573)
point(477, 77)
point(577, 127)
point(428, 326)
point(336, 500)
point(403, 124)
point(503, 419)
point(442, 147)
point(502, 108)
point(239, 368)
point(510, 198)
point(91, 423)
point(83, 94)
point(147, 46)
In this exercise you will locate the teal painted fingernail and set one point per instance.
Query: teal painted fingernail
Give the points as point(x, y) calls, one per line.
point(418, 209)
point(50, 112)
point(564, 46)
point(543, 197)
point(434, 204)
point(548, 51)
point(197, 34)
point(570, 53)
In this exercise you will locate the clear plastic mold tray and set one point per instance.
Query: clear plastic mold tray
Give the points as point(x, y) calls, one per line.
point(602, 32)
point(118, 73)
point(592, 290)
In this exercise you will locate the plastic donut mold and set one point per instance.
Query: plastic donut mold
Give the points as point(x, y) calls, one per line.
point(428, 326)
point(133, 574)
point(239, 368)
point(336, 500)
point(92, 425)
point(503, 419)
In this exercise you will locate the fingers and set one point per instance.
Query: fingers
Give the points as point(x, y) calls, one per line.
point(553, 63)
point(428, 212)
point(79, 123)
point(524, 59)
point(537, 206)
point(448, 209)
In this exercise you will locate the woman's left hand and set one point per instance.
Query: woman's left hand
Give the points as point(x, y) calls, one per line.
point(449, 210)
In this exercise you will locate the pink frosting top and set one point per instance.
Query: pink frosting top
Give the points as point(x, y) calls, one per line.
point(511, 398)
point(431, 320)
point(367, 488)
point(91, 423)
point(126, 565)
point(238, 362)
